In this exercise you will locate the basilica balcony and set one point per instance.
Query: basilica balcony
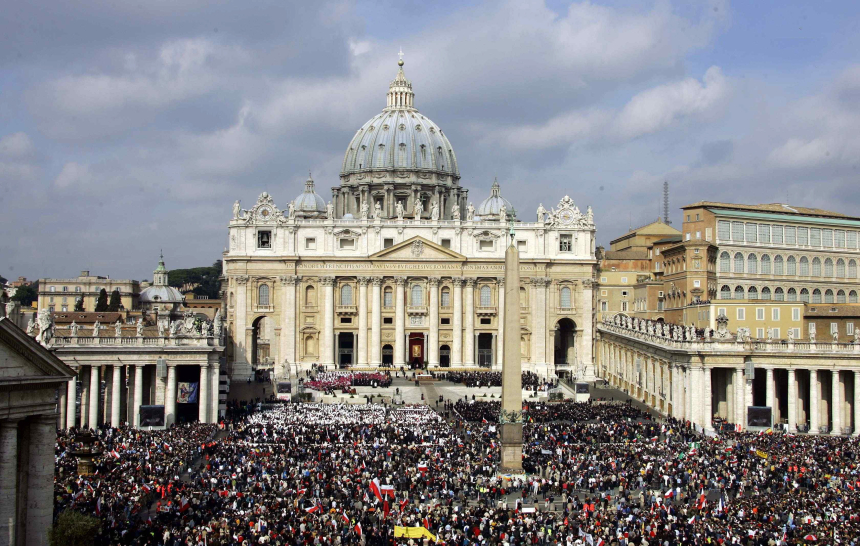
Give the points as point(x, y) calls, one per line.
point(416, 310)
point(346, 309)
point(565, 310)
point(485, 310)
point(264, 308)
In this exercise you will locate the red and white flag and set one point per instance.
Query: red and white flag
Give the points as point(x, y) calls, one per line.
point(403, 504)
point(376, 489)
point(358, 528)
point(183, 505)
point(422, 468)
point(387, 490)
point(344, 518)
point(385, 508)
point(669, 494)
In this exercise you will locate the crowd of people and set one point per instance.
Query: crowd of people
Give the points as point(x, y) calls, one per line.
point(332, 381)
point(341, 474)
point(530, 380)
point(545, 412)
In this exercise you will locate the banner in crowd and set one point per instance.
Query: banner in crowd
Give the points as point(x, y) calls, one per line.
point(413, 532)
point(187, 393)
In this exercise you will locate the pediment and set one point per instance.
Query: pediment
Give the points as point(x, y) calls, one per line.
point(418, 249)
point(25, 358)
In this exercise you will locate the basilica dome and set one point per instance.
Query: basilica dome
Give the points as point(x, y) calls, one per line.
point(309, 202)
point(400, 139)
point(492, 205)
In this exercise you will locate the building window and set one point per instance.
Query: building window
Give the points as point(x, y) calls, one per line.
point(263, 295)
point(777, 265)
point(264, 239)
point(388, 242)
point(485, 296)
point(446, 297)
point(603, 306)
point(741, 313)
point(791, 266)
point(346, 294)
point(774, 313)
point(840, 296)
point(752, 293)
point(310, 243)
point(815, 238)
point(738, 232)
point(64, 308)
point(417, 295)
point(565, 242)
point(725, 262)
point(624, 293)
point(816, 267)
point(765, 293)
point(839, 238)
point(346, 320)
point(486, 321)
point(852, 296)
point(65, 289)
point(816, 296)
point(697, 284)
point(346, 244)
point(310, 296)
point(565, 298)
point(778, 295)
point(53, 289)
point(804, 266)
point(765, 264)
point(851, 239)
point(51, 299)
point(446, 321)
point(724, 230)
point(624, 306)
point(623, 280)
point(803, 236)
point(725, 292)
point(739, 262)
point(77, 289)
point(776, 333)
point(790, 235)
point(50, 308)
point(852, 269)
point(776, 234)
point(828, 268)
point(521, 246)
point(751, 233)
point(828, 296)
point(804, 295)
point(763, 233)
point(752, 264)
point(485, 245)
point(388, 297)
point(739, 292)
point(387, 320)
point(446, 243)
point(840, 268)
point(849, 328)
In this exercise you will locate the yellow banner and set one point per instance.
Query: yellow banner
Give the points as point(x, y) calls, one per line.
point(761, 453)
point(413, 532)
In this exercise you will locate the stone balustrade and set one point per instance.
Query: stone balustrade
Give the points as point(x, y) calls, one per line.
point(158, 341)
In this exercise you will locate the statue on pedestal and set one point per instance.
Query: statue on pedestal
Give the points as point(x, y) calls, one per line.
point(455, 211)
point(434, 211)
point(365, 208)
point(377, 210)
point(541, 214)
point(418, 209)
point(470, 212)
point(74, 328)
point(398, 209)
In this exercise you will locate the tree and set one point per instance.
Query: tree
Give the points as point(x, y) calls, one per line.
point(102, 302)
point(115, 302)
point(79, 304)
point(74, 529)
point(26, 294)
point(206, 280)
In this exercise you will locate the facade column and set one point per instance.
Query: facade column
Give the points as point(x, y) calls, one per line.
point(769, 390)
point(40, 481)
point(543, 351)
point(836, 402)
point(204, 391)
point(469, 346)
point(500, 336)
point(400, 322)
point(240, 315)
point(327, 354)
point(115, 395)
point(138, 394)
point(95, 396)
point(170, 396)
point(814, 395)
point(71, 401)
point(856, 405)
point(792, 401)
point(709, 400)
point(585, 338)
point(214, 386)
point(457, 345)
point(287, 353)
point(9, 480)
point(362, 320)
point(738, 383)
point(61, 407)
point(376, 323)
point(433, 341)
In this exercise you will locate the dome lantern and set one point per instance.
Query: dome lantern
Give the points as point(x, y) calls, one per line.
point(309, 203)
point(491, 207)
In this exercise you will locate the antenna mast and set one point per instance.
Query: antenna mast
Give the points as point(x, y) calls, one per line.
point(666, 203)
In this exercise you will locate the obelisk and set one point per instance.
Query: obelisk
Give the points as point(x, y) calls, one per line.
point(511, 415)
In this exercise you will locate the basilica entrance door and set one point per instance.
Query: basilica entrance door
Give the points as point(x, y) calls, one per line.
point(416, 350)
point(345, 349)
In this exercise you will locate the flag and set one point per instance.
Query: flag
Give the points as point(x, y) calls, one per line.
point(422, 468)
point(375, 488)
point(761, 453)
point(313, 509)
point(99, 507)
point(601, 542)
point(810, 538)
point(387, 490)
point(344, 518)
point(114, 454)
point(385, 508)
point(403, 504)
point(669, 494)
point(484, 420)
point(358, 528)
point(183, 506)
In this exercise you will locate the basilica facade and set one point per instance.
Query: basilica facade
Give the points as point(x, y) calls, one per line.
point(400, 268)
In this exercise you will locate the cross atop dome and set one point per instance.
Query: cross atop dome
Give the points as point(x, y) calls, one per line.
point(400, 62)
point(400, 93)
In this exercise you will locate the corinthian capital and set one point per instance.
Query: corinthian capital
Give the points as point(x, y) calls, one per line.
point(328, 280)
point(434, 281)
point(364, 281)
point(242, 279)
point(288, 280)
point(400, 281)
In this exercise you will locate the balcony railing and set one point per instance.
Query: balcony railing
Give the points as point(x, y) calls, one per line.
point(346, 309)
point(264, 308)
point(416, 310)
point(565, 310)
point(486, 310)
point(162, 341)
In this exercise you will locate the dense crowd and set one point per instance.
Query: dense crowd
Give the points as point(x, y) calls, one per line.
point(544, 412)
point(331, 381)
point(530, 380)
point(303, 474)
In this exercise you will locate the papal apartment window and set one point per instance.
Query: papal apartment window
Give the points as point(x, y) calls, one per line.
point(565, 243)
point(486, 245)
point(697, 284)
point(521, 246)
point(742, 314)
point(311, 243)
point(346, 244)
point(624, 306)
point(389, 242)
point(759, 313)
point(603, 306)
point(264, 239)
point(446, 243)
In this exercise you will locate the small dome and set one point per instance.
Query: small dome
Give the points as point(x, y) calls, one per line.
point(309, 201)
point(160, 294)
point(492, 205)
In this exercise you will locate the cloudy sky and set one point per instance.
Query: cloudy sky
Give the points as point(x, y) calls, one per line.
point(130, 126)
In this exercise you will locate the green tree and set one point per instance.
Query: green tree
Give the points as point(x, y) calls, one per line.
point(115, 302)
point(26, 294)
point(102, 302)
point(206, 279)
point(74, 529)
point(79, 304)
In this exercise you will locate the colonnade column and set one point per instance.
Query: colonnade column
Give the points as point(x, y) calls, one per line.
point(214, 385)
point(836, 402)
point(116, 395)
point(792, 401)
point(739, 396)
point(434, 322)
point(170, 396)
point(288, 321)
point(61, 407)
point(400, 322)
point(814, 395)
point(469, 345)
point(71, 401)
point(138, 394)
point(9, 480)
point(376, 323)
point(769, 396)
point(239, 324)
point(327, 354)
point(362, 320)
point(500, 338)
point(40, 481)
point(203, 401)
point(457, 346)
point(95, 396)
point(708, 422)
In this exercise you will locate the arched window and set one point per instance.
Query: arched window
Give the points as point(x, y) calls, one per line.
point(816, 267)
point(828, 296)
point(346, 294)
point(739, 263)
point(804, 266)
point(380, 157)
point(804, 295)
point(263, 295)
point(828, 268)
point(401, 160)
point(388, 297)
point(852, 296)
point(816, 296)
point(791, 266)
point(752, 264)
point(777, 265)
point(725, 262)
point(852, 269)
point(792, 295)
point(77, 289)
point(739, 292)
point(485, 296)
point(840, 268)
point(417, 295)
point(765, 293)
point(725, 292)
point(524, 302)
point(446, 297)
point(565, 297)
point(765, 264)
point(778, 295)
point(752, 293)
point(310, 296)
point(840, 296)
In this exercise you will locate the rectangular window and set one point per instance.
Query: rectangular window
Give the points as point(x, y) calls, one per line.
point(839, 238)
point(776, 333)
point(764, 233)
point(724, 230)
point(446, 243)
point(802, 236)
point(623, 280)
point(521, 246)
point(603, 292)
point(827, 238)
point(697, 284)
point(849, 328)
point(737, 231)
point(565, 242)
point(485, 245)
point(388, 298)
point(688, 217)
point(602, 279)
point(697, 217)
point(709, 234)
point(446, 321)
point(388, 320)
point(486, 321)
point(264, 239)
point(759, 333)
point(310, 243)
point(65, 308)
point(759, 313)
point(742, 314)
point(624, 306)
point(346, 244)
point(795, 314)
point(721, 311)
point(660, 305)
point(624, 293)
point(851, 239)
point(834, 327)
point(752, 233)
point(603, 306)
point(50, 308)
point(797, 333)
point(388, 242)
point(790, 235)
point(698, 235)
point(774, 313)
point(346, 320)
point(688, 236)
point(776, 235)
